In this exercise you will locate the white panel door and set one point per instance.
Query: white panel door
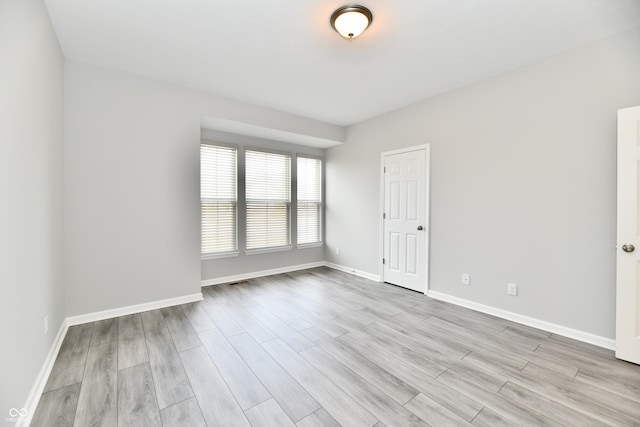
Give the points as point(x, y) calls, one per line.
point(628, 238)
point(404, 219)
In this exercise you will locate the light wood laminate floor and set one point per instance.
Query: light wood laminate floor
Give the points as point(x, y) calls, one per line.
point(324, 348)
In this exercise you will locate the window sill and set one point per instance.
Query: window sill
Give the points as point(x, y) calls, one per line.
point(268, 250)
point(310, 245)
point(217, 256)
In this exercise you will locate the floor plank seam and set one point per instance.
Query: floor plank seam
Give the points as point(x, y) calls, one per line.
point(476, 415)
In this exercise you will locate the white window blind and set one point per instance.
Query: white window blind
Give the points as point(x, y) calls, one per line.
point(218, 199)
point(309, 200)
point(268, 199)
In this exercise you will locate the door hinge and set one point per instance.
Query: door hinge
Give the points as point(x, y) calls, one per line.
point(384, 215)
point(384, 169)
point(383, 261)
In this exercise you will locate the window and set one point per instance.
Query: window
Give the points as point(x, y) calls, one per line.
point(309, 200)
point(268, 199)
point(218, 199)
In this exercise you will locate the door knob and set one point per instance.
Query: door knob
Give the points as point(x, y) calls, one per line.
point(628, 248)
point(420, 228)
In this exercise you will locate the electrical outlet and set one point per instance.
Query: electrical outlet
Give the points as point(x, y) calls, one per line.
point(512, 289)
point(46, 325)
point(337, 251)
point(466, 279)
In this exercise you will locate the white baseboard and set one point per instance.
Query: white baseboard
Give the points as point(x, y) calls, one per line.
point(43, 376)
point(288, 269)
point(132, 309)
point(554, 328)
point(353, 271)
point(254, 274)
point(604, 342)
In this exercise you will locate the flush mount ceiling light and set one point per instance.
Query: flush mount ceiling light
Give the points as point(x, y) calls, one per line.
point(351, 20)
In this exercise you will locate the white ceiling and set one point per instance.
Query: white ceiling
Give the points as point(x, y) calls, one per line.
point(283, 54)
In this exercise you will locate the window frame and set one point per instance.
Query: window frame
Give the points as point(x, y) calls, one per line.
point(236, 251)
point(320, 204)
point(241, 200)
point(289, 205)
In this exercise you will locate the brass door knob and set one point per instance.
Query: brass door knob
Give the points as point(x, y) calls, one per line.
point(628, 247)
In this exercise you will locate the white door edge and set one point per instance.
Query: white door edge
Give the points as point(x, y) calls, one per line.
point(628, 232)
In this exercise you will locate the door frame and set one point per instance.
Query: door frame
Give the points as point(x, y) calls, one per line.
point(427, 222)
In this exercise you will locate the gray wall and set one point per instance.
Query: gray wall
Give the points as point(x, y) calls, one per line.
point(31, 217)
point(245, 264)
point(523, 181)
point(132, 203)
